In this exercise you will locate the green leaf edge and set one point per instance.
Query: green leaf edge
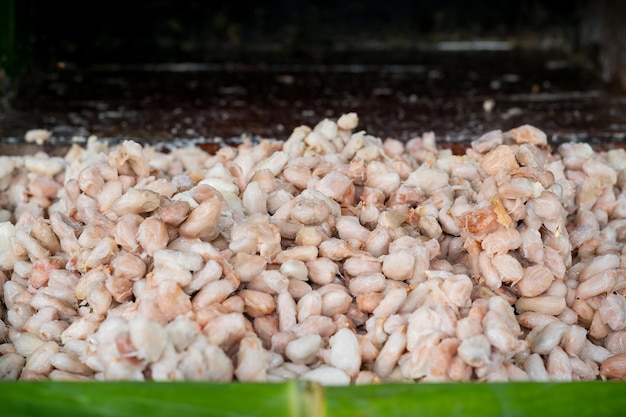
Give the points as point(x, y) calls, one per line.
point(303, 399)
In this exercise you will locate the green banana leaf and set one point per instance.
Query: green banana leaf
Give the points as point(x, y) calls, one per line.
point(302, 399)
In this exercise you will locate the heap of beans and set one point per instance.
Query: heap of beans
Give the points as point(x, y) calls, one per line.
point(334, 256)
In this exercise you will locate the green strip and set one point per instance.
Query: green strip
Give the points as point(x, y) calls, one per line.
point(479, 400)
point(302, 399)
point(128, 399)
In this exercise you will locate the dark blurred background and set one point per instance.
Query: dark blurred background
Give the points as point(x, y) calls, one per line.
point(158, 70)
point(183, 31)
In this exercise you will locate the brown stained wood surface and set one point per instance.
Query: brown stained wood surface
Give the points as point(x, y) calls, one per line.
point(396, 94)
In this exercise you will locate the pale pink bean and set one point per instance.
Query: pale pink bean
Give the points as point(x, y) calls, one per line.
point(348, 228)
point(501, 331)
point(600, 283)
point(310, 236)
point(367, 303)
point(557, 288)
point(213, 292)
point(377, 243)
point(322, 325)
point(390, 353)
point(584, 310)
point(287, 311)
point(298, 288)
point(39, 361)
point(598, 328)
point(128, 266)
point(234, 304)
point(583, 370)
point(509, 268)
point(394, 322)
point(44, 315)
point(615, 342)
point(468, 327)
point(515, 373)
point(70, 363)
point(42, 231)
point(226, 330)
point(399, 265)
point(252, 360)
point(257, 303)
point(475, 350)
point(202, 220)
point(269, 281)
point(336, 249)
point(11, 290)
point(458, 289)
point(11, 365)
point(175, 213)
point(27, 343)
point(367, 377)
point(19, 315)
point(532, 319)
point(309, 209)
point(135, 201)
point(345, 352)
point(595, 353)
point(559, 367)
point(546, 304)
point(528, 134)
point(40, 271)
point(392, 301)
point(501, 241)
point(161, 186)
point(172, 300)
point(304, 349)
point(535, 281)
point(309, 305)
point(544, 339)
point(614, 367)
point(338, 187)
point(280, 340)
point(335, 302)
point(459, 371)
point(531, 246)
point(103, 253)
point(573, 341)
point(568, 316)
point(322, 271)
point(327, 375)
point(247, 266)
point(599, 264)
point(254, 199)
point(81, 328)
point(298, 253)
point(126, 230)
point(357, 265)
point(33, 248)
point(488, 271)
point(535, 368)
point(265, 327)
point(367, 283)
point(111, 192)
point(613, 311)
point(298, 175)
point(152, 235)
point(294, 269)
